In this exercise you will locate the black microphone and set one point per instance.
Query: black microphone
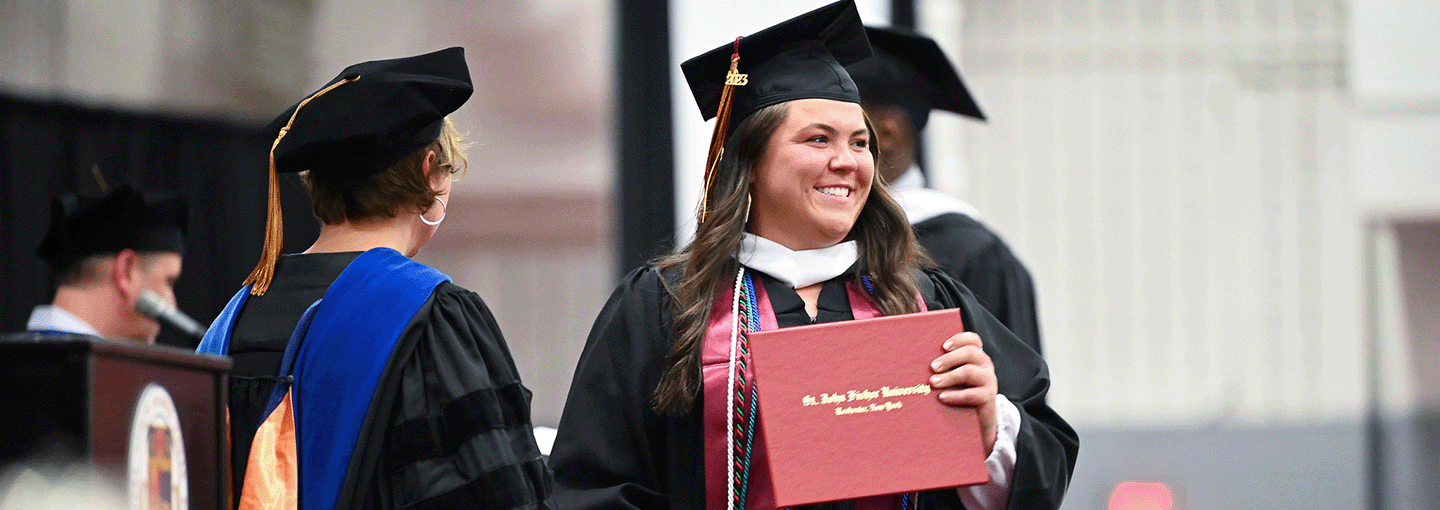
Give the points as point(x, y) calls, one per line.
point(153, 306)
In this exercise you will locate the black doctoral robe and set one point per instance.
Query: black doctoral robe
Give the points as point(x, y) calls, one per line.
point(449, 425)
point(613, 451)
point(977, 257)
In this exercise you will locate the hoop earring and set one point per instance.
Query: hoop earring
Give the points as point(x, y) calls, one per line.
point(747, 210)
point(442, 214)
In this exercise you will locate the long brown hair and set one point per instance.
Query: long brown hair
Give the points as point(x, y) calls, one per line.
point(886, 246)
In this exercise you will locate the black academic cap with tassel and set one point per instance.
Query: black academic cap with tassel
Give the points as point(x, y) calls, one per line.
point(800, 58)
point(910, 71)
point(124, 218)
point(368, 118)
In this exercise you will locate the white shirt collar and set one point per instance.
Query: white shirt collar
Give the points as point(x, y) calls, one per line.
point(912, 178)
point(921, 203)
point(798, 269)
point(54, 318)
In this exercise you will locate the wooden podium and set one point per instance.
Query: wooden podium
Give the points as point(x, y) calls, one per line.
point(150, 416)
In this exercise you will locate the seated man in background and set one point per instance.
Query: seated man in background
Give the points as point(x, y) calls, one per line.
point(108, 251)
point(907, 77)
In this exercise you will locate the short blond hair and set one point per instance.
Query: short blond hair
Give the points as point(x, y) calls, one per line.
point(384, 195)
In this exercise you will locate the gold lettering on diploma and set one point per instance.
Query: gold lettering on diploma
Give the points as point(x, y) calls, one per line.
point(858, 401)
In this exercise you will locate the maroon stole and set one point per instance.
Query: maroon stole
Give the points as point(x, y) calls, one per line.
point(714, 365)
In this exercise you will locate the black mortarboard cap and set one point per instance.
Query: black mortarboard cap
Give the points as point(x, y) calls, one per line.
point(361, 128)
point(800, 58)
point(125, 218)
point(910, 71)
point(361, 123)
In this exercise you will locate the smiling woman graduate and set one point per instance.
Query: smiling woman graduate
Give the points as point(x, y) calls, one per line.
point(364, 379)
point(793, 228)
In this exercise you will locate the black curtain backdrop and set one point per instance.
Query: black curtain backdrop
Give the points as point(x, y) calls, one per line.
point(49, 147)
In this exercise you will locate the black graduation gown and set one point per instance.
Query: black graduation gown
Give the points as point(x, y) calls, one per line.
point(977, 257)
point(449, 426)
point(613, 451)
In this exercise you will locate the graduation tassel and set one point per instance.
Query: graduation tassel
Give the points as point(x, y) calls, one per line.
point(99, 178)
point(264, 271)
point(733, 79)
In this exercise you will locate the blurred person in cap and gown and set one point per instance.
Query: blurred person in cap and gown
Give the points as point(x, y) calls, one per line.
point(794, 225)
point(364, 379)
point(108, 251)
point(906, 77)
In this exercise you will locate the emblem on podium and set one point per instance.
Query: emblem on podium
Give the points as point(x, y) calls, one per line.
point(156, 474)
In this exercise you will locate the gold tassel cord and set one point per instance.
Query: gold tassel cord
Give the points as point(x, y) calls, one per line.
point(99, 178)
point(733, 79)
point(264, 271)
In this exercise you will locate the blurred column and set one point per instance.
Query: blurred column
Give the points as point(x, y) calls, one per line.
point(902, 13)
point(644, 185)
point(1396, 122)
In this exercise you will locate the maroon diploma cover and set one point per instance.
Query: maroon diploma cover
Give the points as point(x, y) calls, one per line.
point(847, 410)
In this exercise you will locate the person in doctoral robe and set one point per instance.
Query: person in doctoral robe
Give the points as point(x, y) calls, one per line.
point(364, 379)
point(906, 78)
point(107, 252)
point(793, 228)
